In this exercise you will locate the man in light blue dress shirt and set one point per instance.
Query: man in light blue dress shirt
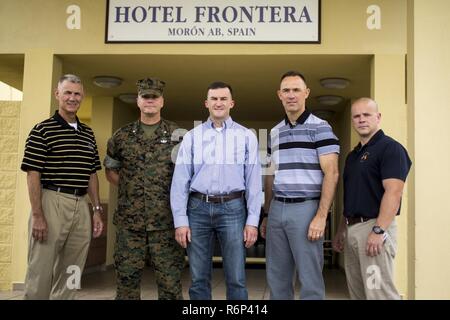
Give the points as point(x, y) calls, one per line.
point(216, 190)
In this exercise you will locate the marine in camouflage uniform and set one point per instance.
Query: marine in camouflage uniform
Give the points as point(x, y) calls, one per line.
point(143, 217)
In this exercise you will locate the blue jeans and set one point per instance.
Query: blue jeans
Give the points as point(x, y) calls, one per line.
point(227, 221)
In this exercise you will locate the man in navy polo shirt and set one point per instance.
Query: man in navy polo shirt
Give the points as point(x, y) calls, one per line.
point(374, 177)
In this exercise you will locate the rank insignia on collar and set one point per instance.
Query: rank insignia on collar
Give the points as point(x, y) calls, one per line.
point(164, 137)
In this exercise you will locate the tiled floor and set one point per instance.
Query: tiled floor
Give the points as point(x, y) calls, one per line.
point(100, 285)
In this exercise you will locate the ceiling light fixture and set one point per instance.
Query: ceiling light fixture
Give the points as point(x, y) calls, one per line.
point(329, 100)
point(107, 81)
point(129, 98)
point(334, 83)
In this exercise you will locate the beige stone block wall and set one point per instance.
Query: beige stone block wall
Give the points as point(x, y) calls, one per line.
point(9, 138)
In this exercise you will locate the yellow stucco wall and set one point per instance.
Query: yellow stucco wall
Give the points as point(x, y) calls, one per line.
point(9, 140)
point(43, 25)
point(84, 114)
point(389, 89)
point(428, 139)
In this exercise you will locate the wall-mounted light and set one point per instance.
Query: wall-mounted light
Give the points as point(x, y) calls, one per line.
point(129, 98)
point(334, 83)
point(107, 81)
point(329, 100)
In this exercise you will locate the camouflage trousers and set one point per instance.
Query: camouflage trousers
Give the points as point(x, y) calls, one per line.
point(166, 257)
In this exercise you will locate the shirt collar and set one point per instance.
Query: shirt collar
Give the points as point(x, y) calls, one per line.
point(375, 138)
point(64, 123)
point(300, 120)
point(161, 132)
point(162, 127)
point(227, 123)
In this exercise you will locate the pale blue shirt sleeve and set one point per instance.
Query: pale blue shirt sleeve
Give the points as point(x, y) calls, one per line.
point(253, 188)
point(181, 180)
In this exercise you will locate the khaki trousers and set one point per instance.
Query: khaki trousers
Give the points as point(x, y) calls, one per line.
point(69, 234)
point(370, 278)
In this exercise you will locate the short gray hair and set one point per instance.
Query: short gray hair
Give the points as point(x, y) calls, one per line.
point(69, 77)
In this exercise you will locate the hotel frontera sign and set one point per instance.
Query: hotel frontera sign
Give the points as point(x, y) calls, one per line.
point(213, 21)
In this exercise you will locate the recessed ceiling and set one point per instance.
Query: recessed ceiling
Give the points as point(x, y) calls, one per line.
point(254, 78)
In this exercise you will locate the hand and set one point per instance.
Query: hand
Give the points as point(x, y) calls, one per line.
point(250, 235)
point(374, 244)
point(183, 236)
point(316, 228)
point(263, 227)
point(338, 241)
point(39, 228)
point(98, 224)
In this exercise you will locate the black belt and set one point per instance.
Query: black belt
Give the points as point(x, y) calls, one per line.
point(354, 220)
point(73, 191)
point(295, 200)
point(217, 198)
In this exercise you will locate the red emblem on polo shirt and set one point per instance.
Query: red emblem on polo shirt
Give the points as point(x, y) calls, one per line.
point(365, 156)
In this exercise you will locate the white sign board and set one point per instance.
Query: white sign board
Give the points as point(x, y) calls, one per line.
point(213, 21)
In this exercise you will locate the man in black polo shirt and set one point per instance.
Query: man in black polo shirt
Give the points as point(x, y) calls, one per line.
point(374, 177)
point(61, 160)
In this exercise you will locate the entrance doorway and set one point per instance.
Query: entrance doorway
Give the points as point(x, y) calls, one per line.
point(254, 78)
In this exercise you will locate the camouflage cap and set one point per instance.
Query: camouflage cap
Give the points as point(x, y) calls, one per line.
point(150, 87)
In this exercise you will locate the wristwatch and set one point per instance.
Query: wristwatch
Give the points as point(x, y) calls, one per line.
point(377, 230)
point(97, 208)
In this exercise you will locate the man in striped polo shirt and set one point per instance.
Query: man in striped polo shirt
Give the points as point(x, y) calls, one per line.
point(299, 190)
point(61, 160)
